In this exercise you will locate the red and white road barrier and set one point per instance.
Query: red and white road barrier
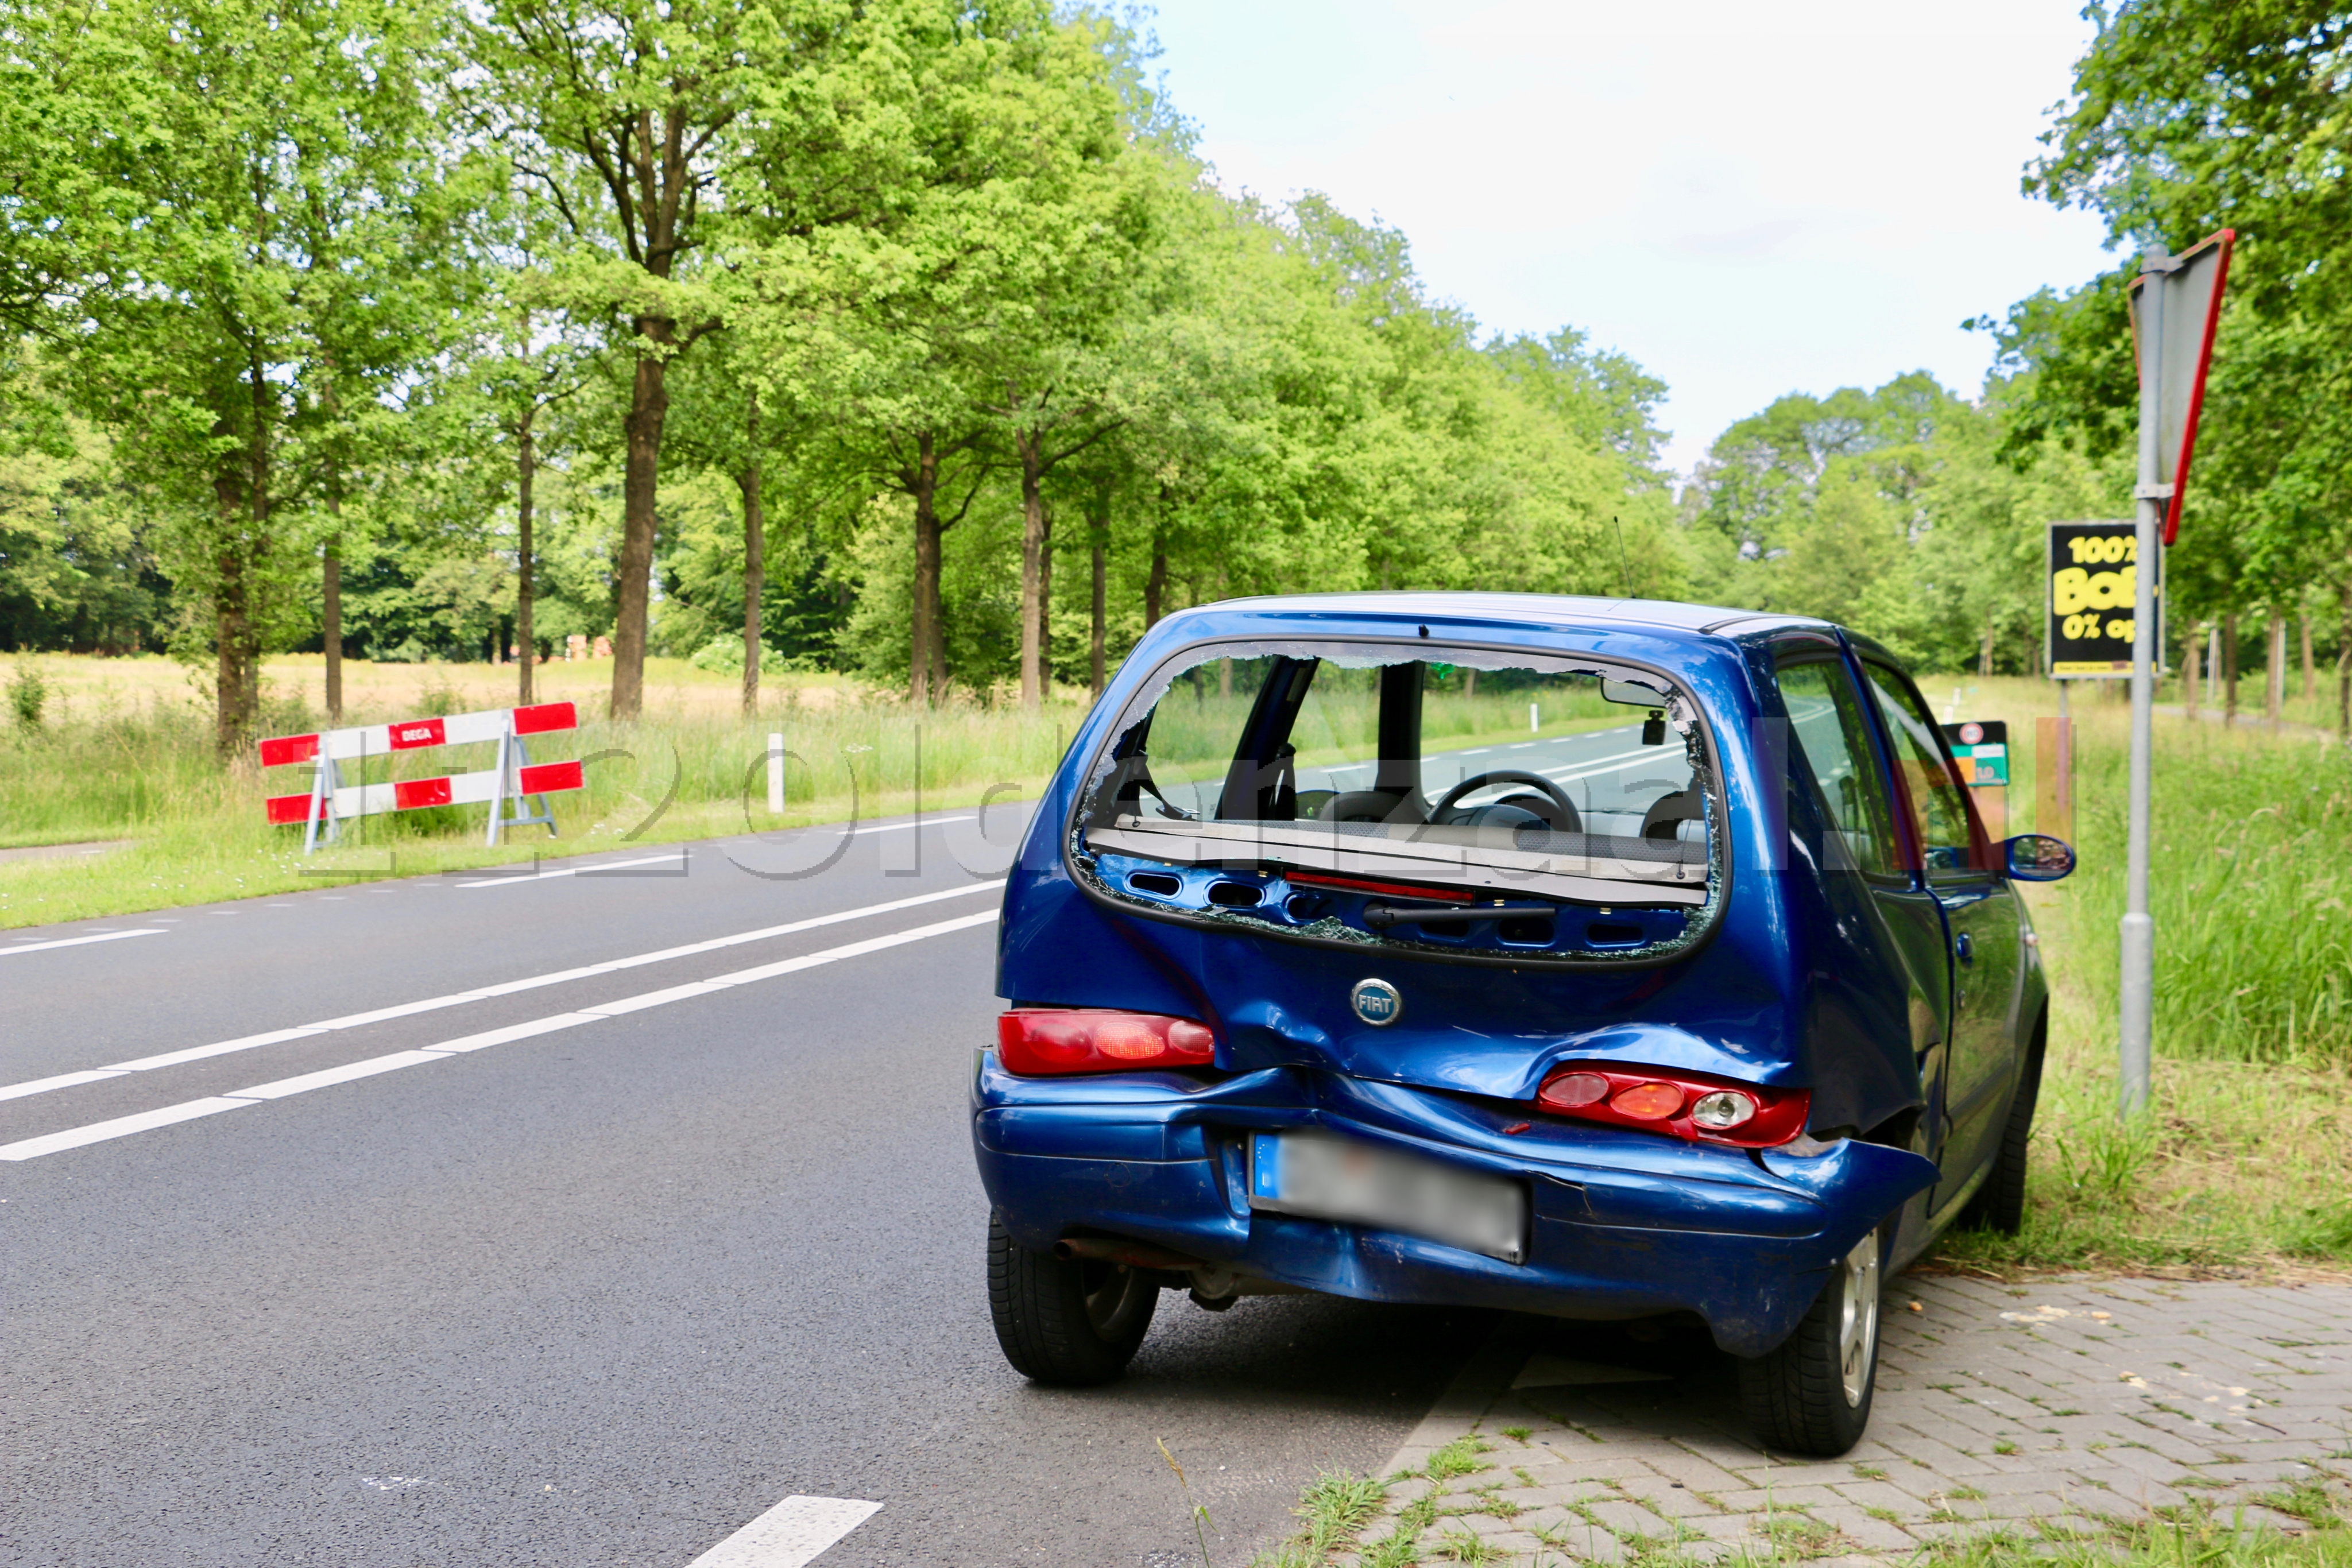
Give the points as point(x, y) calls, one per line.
point(330, 801)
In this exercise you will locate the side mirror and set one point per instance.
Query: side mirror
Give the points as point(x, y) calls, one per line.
point(2038, 857)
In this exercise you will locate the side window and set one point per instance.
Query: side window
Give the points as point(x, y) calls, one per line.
point(1939, 811)
point(1826, 722)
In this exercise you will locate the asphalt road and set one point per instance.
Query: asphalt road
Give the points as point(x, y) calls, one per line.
point(596, 1295)
point(1601, 770)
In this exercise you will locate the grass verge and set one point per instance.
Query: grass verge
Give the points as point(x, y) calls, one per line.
point(137, 764)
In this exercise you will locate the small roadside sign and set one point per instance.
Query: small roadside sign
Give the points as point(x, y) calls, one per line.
point(1981, 749)
point(2093, 585)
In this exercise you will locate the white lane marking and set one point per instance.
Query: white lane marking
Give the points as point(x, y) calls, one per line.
point(78, 941)
point(1612, 767)
point(894, 827)
point(483, 993)
point(198, 1052)
point(513, 1031)
point(1575, 765)
point(573, 870)
point(62, 1081)
point(121, 1126)
point(790, 1535)
point(326, 1078)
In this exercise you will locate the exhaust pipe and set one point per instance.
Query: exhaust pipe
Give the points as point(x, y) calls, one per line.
point(1134, 1254)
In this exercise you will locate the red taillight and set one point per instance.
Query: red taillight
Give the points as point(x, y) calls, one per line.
point(1042, 1041)
point(1687, 1104)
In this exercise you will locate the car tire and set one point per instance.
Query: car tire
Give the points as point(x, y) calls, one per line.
point(1071, 1322)
point(1811, 1394)
point(1999, 1205)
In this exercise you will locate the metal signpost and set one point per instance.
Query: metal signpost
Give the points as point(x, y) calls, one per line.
point(2175, 308)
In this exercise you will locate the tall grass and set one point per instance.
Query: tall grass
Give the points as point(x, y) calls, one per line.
point(2251, 886)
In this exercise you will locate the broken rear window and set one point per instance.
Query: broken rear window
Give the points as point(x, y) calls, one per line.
point(1468, 799)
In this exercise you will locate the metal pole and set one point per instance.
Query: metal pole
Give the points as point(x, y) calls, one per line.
point(2137, 1009)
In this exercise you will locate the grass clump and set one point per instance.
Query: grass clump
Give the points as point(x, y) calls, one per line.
point(1334, 1512)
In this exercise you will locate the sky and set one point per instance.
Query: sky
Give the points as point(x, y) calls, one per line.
point(1748, 199)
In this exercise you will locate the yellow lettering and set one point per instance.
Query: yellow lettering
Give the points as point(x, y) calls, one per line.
point(2070, 590)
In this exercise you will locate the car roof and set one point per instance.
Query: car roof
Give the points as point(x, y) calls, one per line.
point(1549, 609)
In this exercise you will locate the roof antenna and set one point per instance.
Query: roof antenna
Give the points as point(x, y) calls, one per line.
point(1622, 564)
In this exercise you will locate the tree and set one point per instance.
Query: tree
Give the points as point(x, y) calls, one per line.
point(901, 271)
point(625, 116)
point(255, 214)
point(2187, 118)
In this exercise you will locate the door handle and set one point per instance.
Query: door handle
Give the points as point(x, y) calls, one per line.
point(1964, 949)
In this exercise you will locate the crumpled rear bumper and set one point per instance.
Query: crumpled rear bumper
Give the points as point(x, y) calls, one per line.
point(1624, 1224)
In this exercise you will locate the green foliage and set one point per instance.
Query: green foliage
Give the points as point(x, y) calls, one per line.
point(1896, 512)
point(2186, 119)
point(28, 695)
point(2254, 838)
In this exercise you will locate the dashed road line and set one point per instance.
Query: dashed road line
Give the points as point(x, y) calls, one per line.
point(790, 1535)
point(517, 881)
point(79, 941)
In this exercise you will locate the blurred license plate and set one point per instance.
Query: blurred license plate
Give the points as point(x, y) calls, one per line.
point(1319, 1176)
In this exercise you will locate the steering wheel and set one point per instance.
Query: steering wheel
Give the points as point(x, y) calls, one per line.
point(1566, 821)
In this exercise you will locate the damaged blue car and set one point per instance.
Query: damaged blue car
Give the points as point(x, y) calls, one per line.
point(1608, 959)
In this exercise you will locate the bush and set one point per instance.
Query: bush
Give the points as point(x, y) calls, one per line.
point(28, 694)
point(724, 657)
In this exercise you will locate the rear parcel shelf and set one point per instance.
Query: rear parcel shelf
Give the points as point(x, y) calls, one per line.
point(1585, 869)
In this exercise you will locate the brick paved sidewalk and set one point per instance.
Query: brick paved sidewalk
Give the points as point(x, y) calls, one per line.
point(2055, 1410)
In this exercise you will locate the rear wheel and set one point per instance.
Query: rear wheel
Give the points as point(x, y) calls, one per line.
point(1072, 1321)
point(1811, 1394)
point(1999, 1205)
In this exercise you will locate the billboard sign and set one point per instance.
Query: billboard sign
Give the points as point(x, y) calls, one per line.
point(2092, 586)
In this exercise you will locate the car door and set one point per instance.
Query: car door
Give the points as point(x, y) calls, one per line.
point(1894, 960)
point(1982, 918)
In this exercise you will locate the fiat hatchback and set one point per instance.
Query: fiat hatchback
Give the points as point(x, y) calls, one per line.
point(1596, 959)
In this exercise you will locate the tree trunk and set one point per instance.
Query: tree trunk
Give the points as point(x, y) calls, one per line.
point(230, 620)
point(1155, 587)
point(2230, 668)
point(923, 485)
point(641, 476)
point(2310, 666)
point(331, 617)
point(526, 466)
point(2275, 671)
point(1046, 608)
point(755, 573)
point(1028, 444)
point(2192, 674)
point(2344, 665)
point(1099, 534)
point(330, 613)
point(1984, 656)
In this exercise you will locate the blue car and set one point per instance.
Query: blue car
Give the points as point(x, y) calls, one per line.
point(1607, 959)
